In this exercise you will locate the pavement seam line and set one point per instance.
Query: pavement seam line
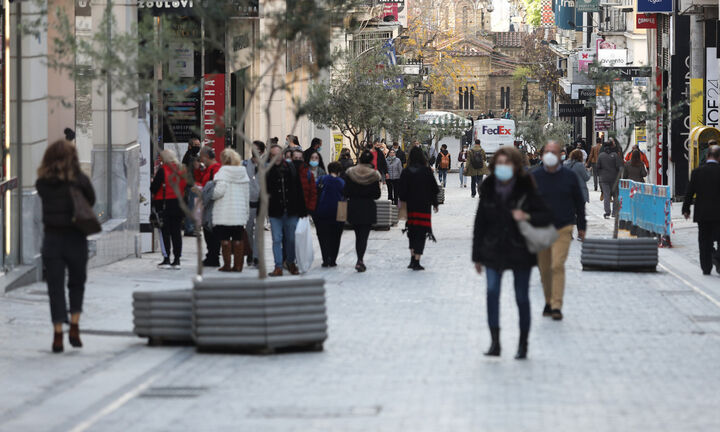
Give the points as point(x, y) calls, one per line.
point(693, 287)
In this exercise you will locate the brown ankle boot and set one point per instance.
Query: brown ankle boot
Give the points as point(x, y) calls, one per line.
point(226, 252)
point(74, 336)
point(239, 255)
point(57, 346)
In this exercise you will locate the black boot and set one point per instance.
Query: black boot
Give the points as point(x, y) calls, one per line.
point(416, 266)
point(412, 263)
point(495, 344)
point(522, 346)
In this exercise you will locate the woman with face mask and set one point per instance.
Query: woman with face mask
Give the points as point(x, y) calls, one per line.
point(315, 167)
point(508, 195)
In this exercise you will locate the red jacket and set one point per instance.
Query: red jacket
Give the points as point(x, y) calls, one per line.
point(209, 173)
point(643, 158)
point(172, 176)
point(309, 187)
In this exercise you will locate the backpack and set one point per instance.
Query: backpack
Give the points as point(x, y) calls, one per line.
point(477, 160)
point(444, 160)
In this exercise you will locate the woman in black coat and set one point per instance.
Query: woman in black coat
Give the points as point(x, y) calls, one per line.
point(64, 246)
point(362, 188)
point(508, 195)
point(418, 191)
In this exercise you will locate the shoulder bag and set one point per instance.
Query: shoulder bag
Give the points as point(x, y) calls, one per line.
point(536, 238)
point(84, 218)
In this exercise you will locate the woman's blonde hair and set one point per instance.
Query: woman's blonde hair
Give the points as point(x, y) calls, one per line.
point(230, 157)
point(168, 156)
point(60, 161)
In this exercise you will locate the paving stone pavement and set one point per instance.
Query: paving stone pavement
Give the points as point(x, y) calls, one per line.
point(636, 351)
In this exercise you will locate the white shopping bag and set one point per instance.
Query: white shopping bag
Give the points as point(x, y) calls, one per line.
point(303, 245)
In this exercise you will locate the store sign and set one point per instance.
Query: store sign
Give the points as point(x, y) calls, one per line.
point(582, 91)
point(602, 124)
point(236, 8)
point(712, 93)
point(571, 110)
point(612, 57)
point(547, 13)
point(214, 111)
point(680, 91)
point(646, 21)
point(653, 6)
point(182, 62)
point(588, 5)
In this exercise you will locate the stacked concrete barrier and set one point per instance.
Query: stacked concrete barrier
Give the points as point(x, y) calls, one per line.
point(620, 254)
point(163, 316)
point(441, 195)
point(387, 214)
point(254, 314)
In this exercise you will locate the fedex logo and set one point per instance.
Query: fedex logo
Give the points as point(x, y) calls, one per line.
point(499, 130)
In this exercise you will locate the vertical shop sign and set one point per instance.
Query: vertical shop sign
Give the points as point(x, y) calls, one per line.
point(680, 95)
point(214, 111)
point(711, 88)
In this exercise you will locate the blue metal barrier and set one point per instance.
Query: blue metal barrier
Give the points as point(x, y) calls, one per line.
point(646, 206)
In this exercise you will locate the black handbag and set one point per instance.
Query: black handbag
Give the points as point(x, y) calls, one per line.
point(157, 215)
point(84, 218)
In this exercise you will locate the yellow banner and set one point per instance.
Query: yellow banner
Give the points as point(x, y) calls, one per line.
point(603, 90)
point(338, 141)
point(696, 102)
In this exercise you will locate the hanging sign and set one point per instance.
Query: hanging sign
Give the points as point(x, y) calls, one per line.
point(585, 58)
point(565, 14)
point(651, 6)
point(214, 111)
point(612, 57)
point(571, 110)
point(646, 21)
point(547, 13)
point(587, 5)
point(711, 89)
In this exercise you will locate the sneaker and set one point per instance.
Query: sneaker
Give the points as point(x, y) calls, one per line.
point(547, 311)
point(165, 264)
point(556, 315)
point(175, 264)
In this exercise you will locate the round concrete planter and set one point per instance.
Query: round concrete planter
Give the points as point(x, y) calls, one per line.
point(627, 254)
point(231, 314)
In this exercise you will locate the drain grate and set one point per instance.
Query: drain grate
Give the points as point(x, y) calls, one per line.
point(705, 318)
point(173, 392)
point(314, 412)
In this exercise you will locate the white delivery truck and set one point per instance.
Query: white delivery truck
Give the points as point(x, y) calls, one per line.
point(494, 133)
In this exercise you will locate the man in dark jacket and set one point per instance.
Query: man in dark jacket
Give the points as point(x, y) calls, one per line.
point(285, 207)
point(442, 164)
point(399, 153)
point(560, 189)
point(315, 146)
point(609, 165)
point(705, 187)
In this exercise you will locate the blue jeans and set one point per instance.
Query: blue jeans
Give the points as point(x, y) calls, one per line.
point(461, 171)
point(522, 286)
point(189, 222)
point(442, 176)
point(283, 235)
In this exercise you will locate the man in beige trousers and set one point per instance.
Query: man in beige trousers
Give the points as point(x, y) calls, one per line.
point(560, 188)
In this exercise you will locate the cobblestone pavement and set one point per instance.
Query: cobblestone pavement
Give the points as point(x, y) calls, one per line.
point(635, 351)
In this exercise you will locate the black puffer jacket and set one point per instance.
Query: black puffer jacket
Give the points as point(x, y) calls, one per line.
point(497, 242)
point(57, 207)
point(362, 188)
point(285, 189)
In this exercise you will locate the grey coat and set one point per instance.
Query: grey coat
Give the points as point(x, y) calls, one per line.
point(394, 168)
point(583, 176)
point(207, 200)
point(609, 165)
point(254, 186)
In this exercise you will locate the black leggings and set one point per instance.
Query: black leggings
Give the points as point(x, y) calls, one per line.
point(417, 237)
point(362, 232)
point(172, 227)
point(63, 250)
point(329, 235)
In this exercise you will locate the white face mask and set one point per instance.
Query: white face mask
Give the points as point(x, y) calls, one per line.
point(549, 159)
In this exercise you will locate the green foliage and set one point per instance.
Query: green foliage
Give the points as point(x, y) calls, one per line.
point(360, 100)
point(536, 131)
point(533, 8)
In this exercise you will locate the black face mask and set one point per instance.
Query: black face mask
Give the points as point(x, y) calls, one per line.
point(194, 150)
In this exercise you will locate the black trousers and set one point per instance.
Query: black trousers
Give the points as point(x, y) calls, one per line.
point(172, 228)
point(362, 232)
point(708, 235)
point(475, 182)
point(417, 237)
point(60, 251)
point(212, 243)
point(392, 186)
point(329, 235)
